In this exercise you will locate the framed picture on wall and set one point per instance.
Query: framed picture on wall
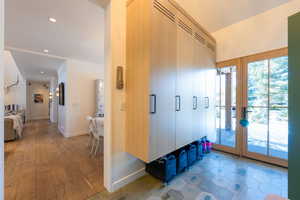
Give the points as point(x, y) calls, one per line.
point(38, 98)
point(61, 94)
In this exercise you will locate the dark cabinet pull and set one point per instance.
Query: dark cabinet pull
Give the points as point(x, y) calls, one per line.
point(177, 103)
point(206, 102)
point(152, 104)
point(195, 103)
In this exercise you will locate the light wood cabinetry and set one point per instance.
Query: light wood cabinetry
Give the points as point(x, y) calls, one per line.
point(170, 64)
point(184, 87)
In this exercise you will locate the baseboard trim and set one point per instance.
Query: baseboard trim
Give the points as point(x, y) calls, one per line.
point(61, 130)
point(39, 118)
point(128, 179)
point(70, 134)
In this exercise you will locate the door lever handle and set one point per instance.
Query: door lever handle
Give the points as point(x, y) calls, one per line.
point(245, 112)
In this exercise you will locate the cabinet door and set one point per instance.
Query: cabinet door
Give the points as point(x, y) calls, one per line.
point(163, 83)
point(184, 89)
point(209, 98)
point(198, 86)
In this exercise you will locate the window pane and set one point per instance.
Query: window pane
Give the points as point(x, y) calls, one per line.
point(223, 86)
point(226, 135)
point(279, 81)
point(258, 130)
point(279, 133)
point(226, 106)
point(258, 83)
point(218, 121)
point(233, 87)
point(218, 89)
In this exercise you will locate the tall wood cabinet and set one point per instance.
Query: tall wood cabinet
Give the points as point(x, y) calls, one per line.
point(169, 79)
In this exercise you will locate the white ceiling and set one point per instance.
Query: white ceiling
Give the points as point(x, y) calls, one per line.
point(31, 65)
point(214, 15)
point(78, 32)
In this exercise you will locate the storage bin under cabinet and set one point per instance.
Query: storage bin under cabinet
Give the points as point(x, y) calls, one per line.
point(163, 168)
point(191, 154)
point(182, 160)
point(170, 79)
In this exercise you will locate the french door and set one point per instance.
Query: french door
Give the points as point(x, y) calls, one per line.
point(254, 88)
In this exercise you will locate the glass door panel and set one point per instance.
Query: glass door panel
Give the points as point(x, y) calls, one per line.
point(278, 133)
point(257, 107)
point(226, 106)
point(278, 125)
point(267, 108)
point(257, 139)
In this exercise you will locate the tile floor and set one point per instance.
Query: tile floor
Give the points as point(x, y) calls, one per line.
point(218, 177)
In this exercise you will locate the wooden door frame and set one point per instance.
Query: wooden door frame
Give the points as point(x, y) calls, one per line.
point(244, 61)
point(242, 94)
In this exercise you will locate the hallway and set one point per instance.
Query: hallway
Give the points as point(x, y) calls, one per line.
point(45, 165)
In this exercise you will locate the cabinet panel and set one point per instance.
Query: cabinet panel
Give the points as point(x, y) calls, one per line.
point(163, 83)
point(209, 99)
point(167, 63)
point(184, 87)
point(137, 79)
point(198, 86)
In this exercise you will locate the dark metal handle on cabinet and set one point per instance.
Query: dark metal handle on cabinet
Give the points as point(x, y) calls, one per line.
point(195, 103)
point(152, 104)
point(177, 103)
point(206, 102)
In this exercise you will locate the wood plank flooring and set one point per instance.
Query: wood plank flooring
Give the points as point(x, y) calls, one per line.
point(44, 165)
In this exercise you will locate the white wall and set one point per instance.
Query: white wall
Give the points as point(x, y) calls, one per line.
point(54, 101)
point(82, 78)
point(80, 95)
point(1, 99)
point(38, 111)
point(120, 168)
point(16, 94)
point(63, 110)
point(264, 32)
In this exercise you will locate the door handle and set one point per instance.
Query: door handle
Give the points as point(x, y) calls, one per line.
point(244, 121)
point(245, 112)
point(152, 104)
point(177, 103)
point(195, 103)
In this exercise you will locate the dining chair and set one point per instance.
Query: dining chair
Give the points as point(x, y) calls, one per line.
point(98, 132)
point(90, 132)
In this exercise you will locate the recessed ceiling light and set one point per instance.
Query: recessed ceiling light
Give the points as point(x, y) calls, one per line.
point(51, 19)
point(42, 72)
point(46, 51)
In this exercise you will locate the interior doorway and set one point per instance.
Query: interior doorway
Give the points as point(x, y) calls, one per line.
point(254, 89)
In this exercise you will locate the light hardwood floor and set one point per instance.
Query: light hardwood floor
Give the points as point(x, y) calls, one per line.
point(44, 165)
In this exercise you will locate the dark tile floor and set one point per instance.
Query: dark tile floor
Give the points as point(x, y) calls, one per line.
point(218, 177)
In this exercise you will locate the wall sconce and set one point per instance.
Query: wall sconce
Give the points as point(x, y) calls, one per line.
point(50, 95)
point(57, 92)
point(120, 80)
